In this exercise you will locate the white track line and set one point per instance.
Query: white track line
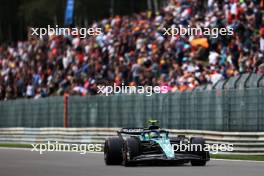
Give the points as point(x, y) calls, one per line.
point(13, 148)
point(248, 161)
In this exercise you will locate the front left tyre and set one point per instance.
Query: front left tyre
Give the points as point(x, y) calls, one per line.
point(131, 149)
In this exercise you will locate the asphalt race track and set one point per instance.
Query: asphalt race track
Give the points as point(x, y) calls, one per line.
point(26, 163)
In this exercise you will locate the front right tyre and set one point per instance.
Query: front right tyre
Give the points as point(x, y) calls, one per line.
point(113, 151)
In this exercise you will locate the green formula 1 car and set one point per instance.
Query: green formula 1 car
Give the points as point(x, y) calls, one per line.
point(151, 145)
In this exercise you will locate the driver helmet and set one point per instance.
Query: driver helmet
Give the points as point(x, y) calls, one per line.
point(153, 134)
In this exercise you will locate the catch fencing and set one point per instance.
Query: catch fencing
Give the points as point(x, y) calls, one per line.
point(46, 112)
point(229, 106)
point(216, 110)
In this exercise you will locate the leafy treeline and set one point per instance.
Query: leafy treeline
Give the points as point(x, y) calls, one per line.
point(17, 15)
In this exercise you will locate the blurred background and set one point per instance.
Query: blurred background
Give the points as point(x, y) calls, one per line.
point(214, 84)
point(17, 15)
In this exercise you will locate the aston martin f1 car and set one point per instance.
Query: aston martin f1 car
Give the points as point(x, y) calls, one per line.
point(152, 145)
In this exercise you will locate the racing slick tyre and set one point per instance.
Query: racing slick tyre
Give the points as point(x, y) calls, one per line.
point(203, 154)
point(113, 151)
point(131, 149)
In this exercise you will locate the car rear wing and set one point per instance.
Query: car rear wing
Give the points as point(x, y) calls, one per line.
point(131, 131)
point(137, 131)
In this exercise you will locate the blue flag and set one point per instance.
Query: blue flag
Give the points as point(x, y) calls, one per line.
point(68, 20)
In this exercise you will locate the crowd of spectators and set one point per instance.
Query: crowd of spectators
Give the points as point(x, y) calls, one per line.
point(133, 50)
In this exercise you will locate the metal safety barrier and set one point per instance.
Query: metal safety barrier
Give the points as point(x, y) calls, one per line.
point(243, 142)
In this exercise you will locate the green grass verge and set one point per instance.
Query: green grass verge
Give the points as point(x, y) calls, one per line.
point(16, 145)
point(238, 157)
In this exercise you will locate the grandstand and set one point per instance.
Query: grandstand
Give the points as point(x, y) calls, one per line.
point(133, 51)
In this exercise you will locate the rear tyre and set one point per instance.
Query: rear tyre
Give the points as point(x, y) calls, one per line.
point(203, 154)
point(130, 150)
point(113, 151)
